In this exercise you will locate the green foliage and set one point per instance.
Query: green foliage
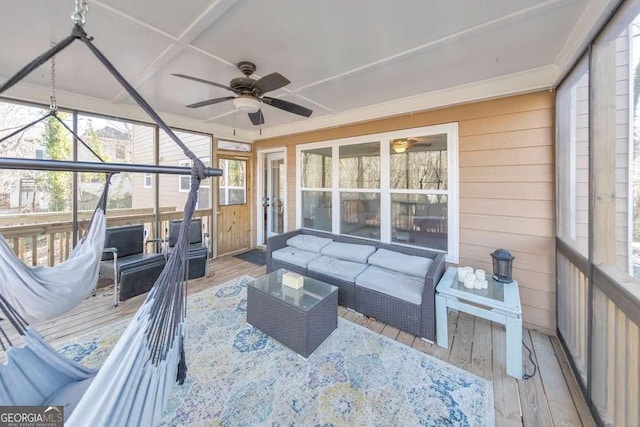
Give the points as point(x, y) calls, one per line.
point(120, 202)
point(57, 146)
point(93, 140)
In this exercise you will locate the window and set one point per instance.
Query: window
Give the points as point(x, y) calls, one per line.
point(359, 187)
point(184, 181)
point(233, 182)
point(115, 141)
point(234, 146)
point(147, 180)
point(316, 196)
point(396, 187)
point(418, 184)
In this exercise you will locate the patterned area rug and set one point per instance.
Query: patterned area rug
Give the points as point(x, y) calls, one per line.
point(239, 376)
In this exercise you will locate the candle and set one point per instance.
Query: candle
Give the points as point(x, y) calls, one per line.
point(462, 273)
point(469, 281)
point(480, 275)
point(477, 284)
point(485, 284)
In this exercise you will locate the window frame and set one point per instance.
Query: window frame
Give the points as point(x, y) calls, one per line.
point(148, 176)
point(225, 174)
point(187, 164)
point(183, 164)
point(452, 191)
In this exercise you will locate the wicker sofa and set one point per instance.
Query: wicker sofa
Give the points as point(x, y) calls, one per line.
point(392, 283)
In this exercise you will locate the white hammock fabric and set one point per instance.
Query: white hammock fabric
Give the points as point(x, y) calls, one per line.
point(41, 293)
point(129, 387)
point(34, 372)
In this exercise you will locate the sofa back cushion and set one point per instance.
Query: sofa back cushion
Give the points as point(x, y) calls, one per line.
point(307, 242)
point(348, 251)
point(407, 264)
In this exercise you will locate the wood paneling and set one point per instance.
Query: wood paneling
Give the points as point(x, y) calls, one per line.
point(234, 222)
point(507, 187)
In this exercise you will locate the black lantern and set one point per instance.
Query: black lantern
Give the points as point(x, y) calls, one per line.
point(502, 263)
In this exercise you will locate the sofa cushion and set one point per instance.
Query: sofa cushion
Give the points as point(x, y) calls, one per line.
point(389, 282)
point(348, 251)
point(308, 242)
point(407, 264)
point(341, 269)
point(294, 256)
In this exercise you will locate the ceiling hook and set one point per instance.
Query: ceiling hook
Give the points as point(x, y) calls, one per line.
point(79, 15)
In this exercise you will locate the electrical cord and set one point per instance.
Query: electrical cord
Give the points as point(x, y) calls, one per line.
point(526, 376)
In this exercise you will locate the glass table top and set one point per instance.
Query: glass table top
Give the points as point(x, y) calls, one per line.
point(498, 295)
point(305, 298)
point(494, 291)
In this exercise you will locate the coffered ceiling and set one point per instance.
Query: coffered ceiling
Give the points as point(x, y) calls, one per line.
point(346, 60)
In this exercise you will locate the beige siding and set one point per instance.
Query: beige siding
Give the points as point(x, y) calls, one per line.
point(143, 142)
point(507, 187)
point(171, 155)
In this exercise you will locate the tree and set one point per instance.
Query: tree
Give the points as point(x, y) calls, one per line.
point(57, 146)
point(94, 141)
point(23, 145)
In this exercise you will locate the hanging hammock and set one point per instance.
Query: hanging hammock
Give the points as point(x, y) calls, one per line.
point(35, 372)
point(132, 386)
point(41, 293)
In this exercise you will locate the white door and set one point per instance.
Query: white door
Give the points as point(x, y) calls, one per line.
point(274, 200)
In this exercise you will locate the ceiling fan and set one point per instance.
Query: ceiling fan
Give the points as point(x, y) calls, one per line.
point(250, 93)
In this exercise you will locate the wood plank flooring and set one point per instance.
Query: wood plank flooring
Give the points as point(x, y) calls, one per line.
point(551, 398)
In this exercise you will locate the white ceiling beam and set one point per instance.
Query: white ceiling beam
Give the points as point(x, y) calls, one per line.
point(130, 18)
point(197, 27)
point(495, 22)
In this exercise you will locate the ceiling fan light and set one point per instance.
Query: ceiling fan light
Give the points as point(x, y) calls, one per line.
point(246, 103)
point(399, 145)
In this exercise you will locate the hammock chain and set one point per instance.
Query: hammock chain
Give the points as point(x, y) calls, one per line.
point(79, 15)
point(53, 104)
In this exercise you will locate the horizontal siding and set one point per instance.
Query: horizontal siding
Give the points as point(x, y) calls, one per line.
point(507, 188)
point(171, 155)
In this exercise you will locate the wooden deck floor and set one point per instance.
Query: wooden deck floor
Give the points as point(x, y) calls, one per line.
point(550, 398)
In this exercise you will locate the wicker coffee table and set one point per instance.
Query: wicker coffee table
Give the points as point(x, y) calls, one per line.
point(298, 318)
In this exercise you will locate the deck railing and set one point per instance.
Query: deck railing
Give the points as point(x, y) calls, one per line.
point(47, 238)
point(572, 299)
point(599, 326)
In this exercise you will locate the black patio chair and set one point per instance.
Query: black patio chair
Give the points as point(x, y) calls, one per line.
point(133, 270)
point(198, 246)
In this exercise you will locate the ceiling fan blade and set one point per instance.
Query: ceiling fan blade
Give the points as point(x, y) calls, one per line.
point(271, 82)
point(196, 79)
point(256, 118)
point(287, 106)
point(210, 102)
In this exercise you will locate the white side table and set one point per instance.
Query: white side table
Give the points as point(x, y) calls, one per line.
point(499, 303)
